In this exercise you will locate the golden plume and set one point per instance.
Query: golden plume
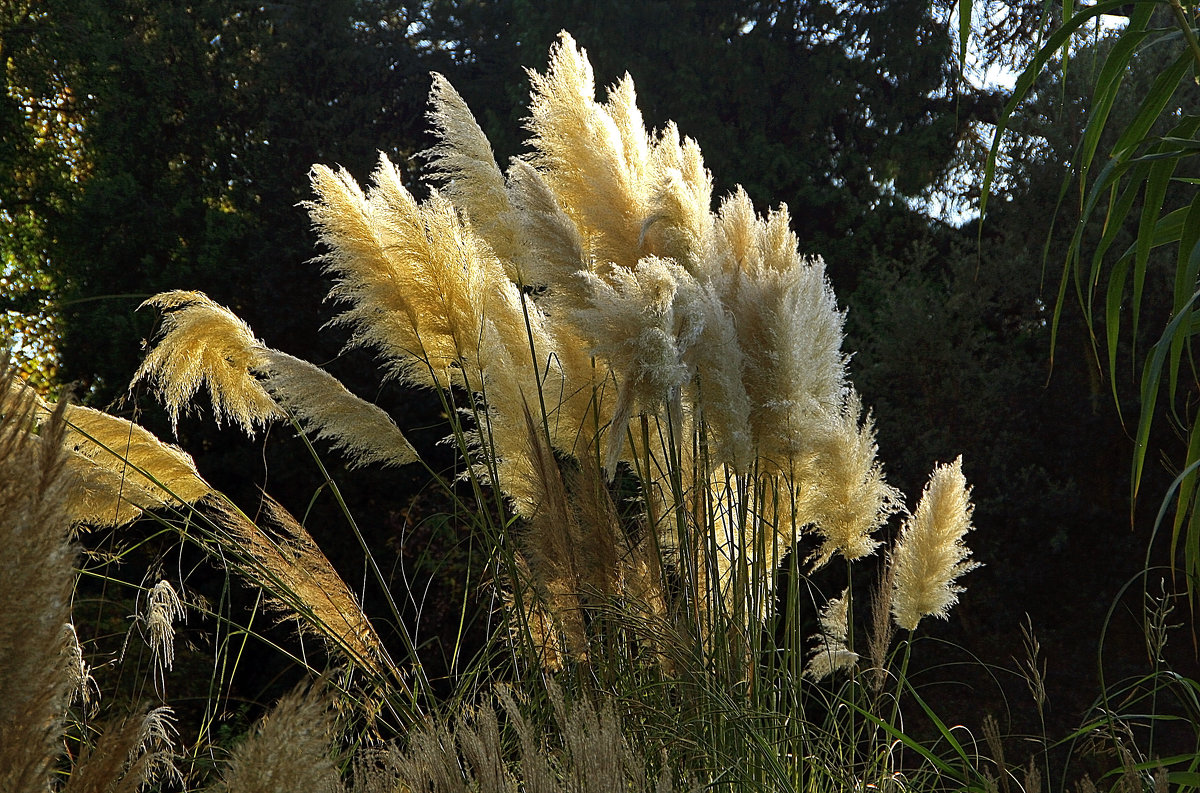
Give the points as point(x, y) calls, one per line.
point(204, 344)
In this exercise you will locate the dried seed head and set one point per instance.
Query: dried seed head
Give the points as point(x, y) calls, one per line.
point(163, 608)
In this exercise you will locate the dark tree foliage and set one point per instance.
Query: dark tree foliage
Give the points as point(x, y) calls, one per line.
point(953, 352)
point(842, 110)
point(198, 126)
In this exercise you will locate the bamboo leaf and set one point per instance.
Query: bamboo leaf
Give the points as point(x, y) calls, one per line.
point(1151, 379)
point(1156, 190)
point(1108, 84)
point(964, 29)
point(1165, 85)
point(1187, 263)
point(1059, 39)
point(1112, 320)
point(1185, 499)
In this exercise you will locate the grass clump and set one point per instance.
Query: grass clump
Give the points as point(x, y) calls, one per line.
point(652, 403)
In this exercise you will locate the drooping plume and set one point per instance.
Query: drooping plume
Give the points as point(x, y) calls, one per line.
point(204, 344)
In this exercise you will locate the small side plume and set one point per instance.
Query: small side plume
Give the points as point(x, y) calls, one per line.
point(930, 553)
point(831, 653)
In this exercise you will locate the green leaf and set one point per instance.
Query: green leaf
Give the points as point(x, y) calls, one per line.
point(1112, 320)
point(1108, 85)
point(1190, 778)
point(1187, 264)
point(1185, 504)
point(1151, 379)
point(1165, 85)
point(1059, 39)
point(1155, 193)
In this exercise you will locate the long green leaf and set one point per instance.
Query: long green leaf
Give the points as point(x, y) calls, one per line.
point(1057, 41)
point(1151, 379)
point(964, 29)
point(1108, 84)
point(1156, 189)
point(1185, 282)
point(1117, 280)
point(941, 765)
point(1165, 85)
point(1185, 505)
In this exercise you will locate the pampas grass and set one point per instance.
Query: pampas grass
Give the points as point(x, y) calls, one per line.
point(206, 345)
point(930, 554)
point(291, 749)
point(656, 394)
point(43, 666)
point(36, 575)
point(280, 556)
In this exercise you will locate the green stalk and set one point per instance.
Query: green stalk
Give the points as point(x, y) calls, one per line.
point(372, 563)
point(901, 678)
point(1185, 27)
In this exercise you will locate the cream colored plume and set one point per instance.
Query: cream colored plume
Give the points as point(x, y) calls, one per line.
point(463, 160)
point(418, 283)
point(842, 491)
point(930, 554)
point(326, 409)
point(831, 653)
point(204, 344)
point(124, 469)
point(422, 287)
point(594, 157)
point(249, 382)
point(642, 321)
point(555, 256)
point(120, 469)
point(719, 389)
point(788, 325)
point(680, 225)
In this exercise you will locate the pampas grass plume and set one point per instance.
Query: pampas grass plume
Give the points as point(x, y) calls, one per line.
point(831, 653)
point(930, 554)
point(300, 581)
point(37, 570)
point(323, 406)
point(204, 344)
point(163, 608)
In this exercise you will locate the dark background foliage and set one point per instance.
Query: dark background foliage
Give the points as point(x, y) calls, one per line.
point(147, 146)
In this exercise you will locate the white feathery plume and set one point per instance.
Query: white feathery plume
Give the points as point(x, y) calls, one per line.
point(831, 653)
point(930, 554)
